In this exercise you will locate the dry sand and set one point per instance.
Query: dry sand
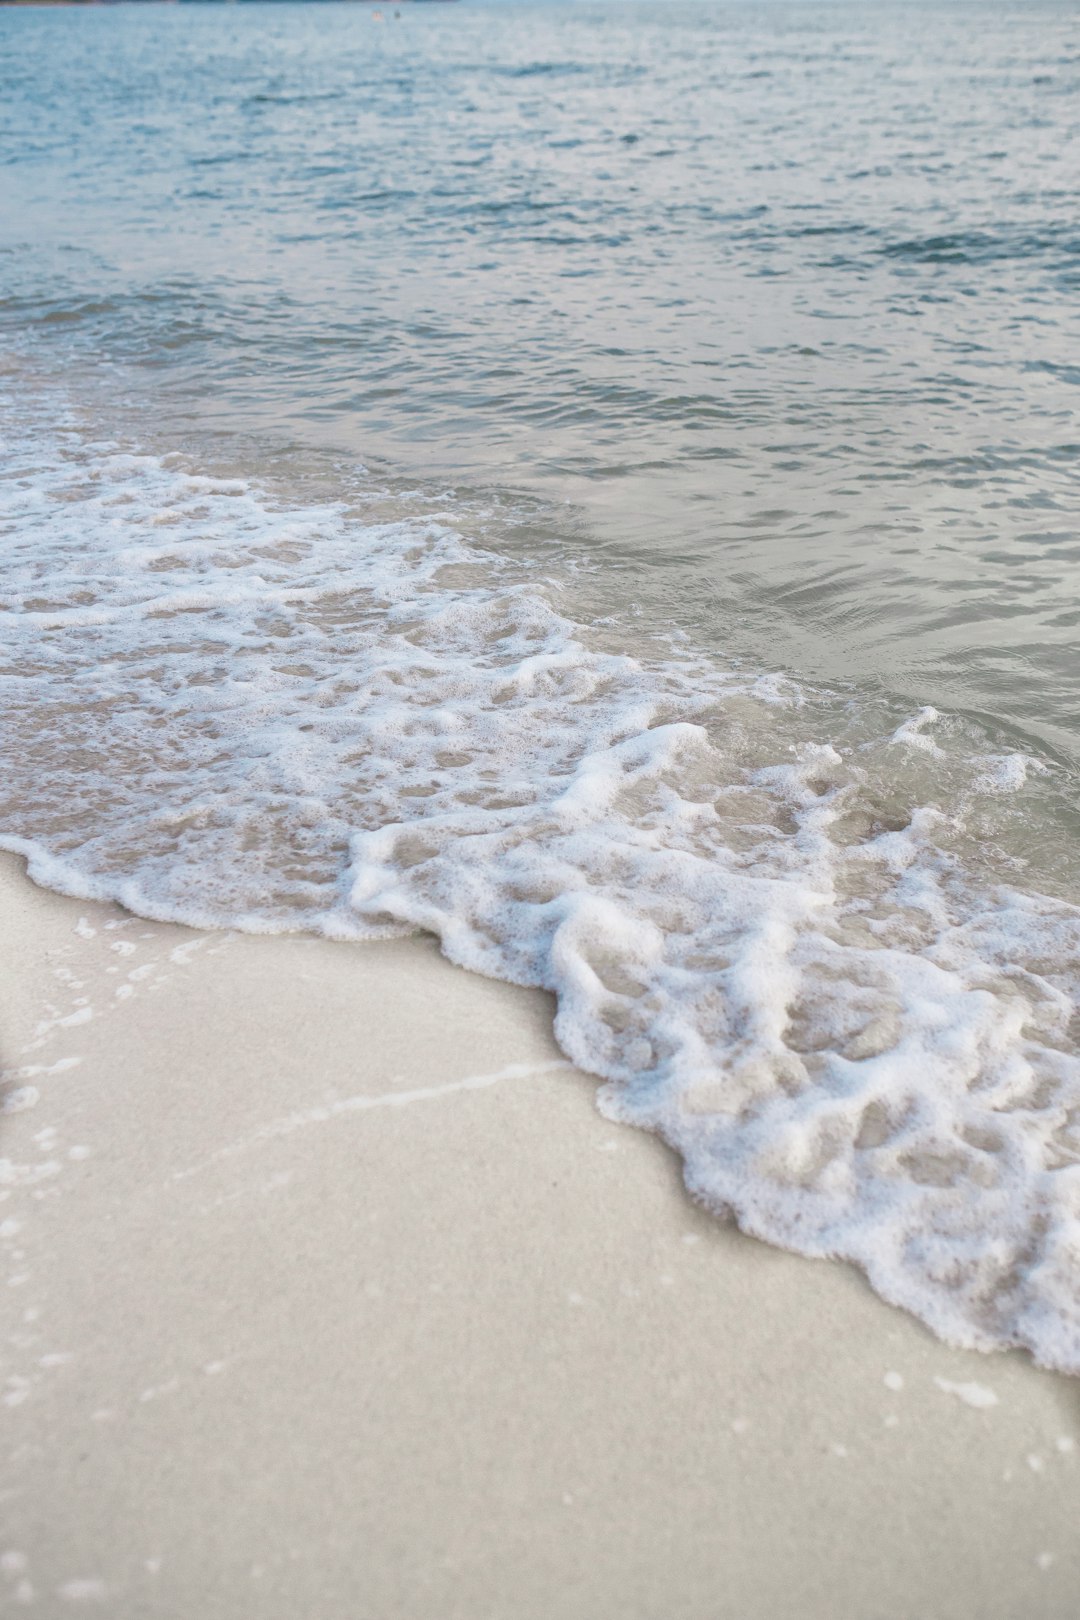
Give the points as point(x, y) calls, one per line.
point(304, 1318)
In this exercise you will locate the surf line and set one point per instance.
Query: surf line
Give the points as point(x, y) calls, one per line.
point(362, 1102)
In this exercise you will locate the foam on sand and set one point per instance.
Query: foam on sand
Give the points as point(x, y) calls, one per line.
point(805, 937)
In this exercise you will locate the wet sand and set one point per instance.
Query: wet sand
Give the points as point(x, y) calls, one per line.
point(329, 1293)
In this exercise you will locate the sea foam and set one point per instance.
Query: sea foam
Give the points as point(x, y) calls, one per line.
point(801, 934)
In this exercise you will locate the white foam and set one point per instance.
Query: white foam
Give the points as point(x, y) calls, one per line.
point(786, 942)
point(19, 1099)
point(912, 734)
point(972, 1394)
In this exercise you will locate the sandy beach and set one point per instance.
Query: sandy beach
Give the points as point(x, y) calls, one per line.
point(329, 1293)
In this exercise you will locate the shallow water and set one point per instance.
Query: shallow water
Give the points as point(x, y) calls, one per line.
point(595, 482)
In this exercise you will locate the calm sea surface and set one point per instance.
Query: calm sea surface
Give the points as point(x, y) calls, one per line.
point(598, 482)
point(782, 298)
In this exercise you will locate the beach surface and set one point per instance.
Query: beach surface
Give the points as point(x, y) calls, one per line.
point(329, 1293)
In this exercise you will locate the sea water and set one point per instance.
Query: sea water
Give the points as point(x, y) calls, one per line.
point(596, 483)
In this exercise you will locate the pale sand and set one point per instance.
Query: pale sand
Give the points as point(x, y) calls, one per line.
point(466, 1352)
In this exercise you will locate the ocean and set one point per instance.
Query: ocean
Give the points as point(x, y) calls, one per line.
point(597, 483)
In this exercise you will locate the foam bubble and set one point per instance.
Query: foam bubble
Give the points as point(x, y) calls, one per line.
point(802, 936)
point(972, 1394)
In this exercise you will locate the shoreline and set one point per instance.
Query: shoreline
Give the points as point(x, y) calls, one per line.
point(331, 1292)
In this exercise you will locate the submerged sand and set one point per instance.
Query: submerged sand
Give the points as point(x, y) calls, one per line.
point(329, 1294)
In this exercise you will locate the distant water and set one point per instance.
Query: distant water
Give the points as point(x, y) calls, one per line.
point(598, 483)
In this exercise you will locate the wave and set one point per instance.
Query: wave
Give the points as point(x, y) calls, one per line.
point(807, 939)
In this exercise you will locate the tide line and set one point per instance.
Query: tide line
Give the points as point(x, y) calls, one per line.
point(362, 1102)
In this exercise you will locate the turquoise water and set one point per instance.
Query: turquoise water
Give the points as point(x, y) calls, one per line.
point(597, 482)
